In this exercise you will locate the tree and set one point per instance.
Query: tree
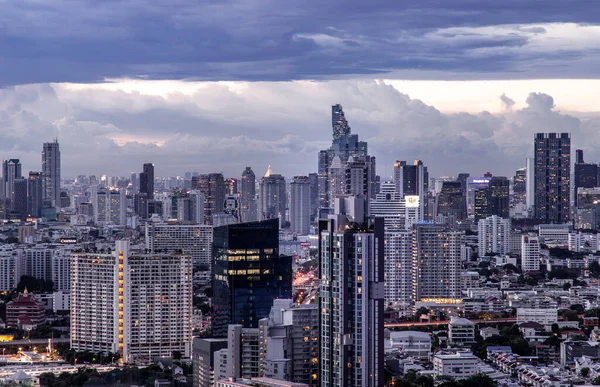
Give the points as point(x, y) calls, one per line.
point(596, 381)
point(571, 315)
point(555, 329)
point(566, 286)
point(420, 311)
point(585, 371)
point(553, 341)
point(478, 380)
point(580, 309)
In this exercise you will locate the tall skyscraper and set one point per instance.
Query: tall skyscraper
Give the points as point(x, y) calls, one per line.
point(345, 149)
point(248, 273)
point(499, 196)
point(530, 185)
point(351, 300)
point(338, 122)
point(552, 177)
point(451, 203)
point(398, 240)
point(249, 211)
point(412, 180)
point(436, 262)
point(147, 181)
point(107, 292)
point(300, 205)
point(313, 179)
point(273, 196)
point(11, 170)
point(586, 175)
point(231, 186)
point(520, 184)
point(19, 199)
point(213, 188)
point(51, 172)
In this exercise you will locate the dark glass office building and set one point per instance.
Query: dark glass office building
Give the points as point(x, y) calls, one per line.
point(586, 175)
point(248, 274)
point(552, 177)
point(451, 203)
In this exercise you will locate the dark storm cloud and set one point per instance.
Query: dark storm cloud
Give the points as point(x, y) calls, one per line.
point(87, 41)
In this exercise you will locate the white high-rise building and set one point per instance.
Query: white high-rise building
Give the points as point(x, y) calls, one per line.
point(436, 263)
point(530, 253)
point(12, 267)
point(494, 235)
point(38, 262)
point(193, 239)
point(290, 338)
point(352, 304)
point(110, 206)
point(300, 205)
point(51, 172)
point(530, 184)
point(130, 302)
point(61, 269)
point(398, 239)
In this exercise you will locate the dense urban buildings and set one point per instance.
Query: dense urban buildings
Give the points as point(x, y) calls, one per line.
point(290, 280)
point(552, 177)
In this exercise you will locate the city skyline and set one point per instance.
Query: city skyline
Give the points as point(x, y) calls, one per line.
point(456, 144)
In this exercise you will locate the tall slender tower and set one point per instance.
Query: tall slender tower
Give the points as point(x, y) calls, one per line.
point(300, 205)
point(351, 300)
point(552, 177)
point(51, 173)
point(11, 171)
point(147, 181)
point(248, 197)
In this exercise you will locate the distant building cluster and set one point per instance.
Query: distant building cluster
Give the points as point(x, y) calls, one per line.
point(302, 280)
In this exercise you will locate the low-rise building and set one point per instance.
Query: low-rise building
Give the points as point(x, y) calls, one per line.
point(413, 343)
point(545, 317)
point(459, 365)
point(461, 331)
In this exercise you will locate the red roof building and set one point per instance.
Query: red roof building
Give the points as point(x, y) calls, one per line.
point(26, 311)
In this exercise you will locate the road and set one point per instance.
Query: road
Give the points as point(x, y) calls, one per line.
point(445, 322)
point(18, 343)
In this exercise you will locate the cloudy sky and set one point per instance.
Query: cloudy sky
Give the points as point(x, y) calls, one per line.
point(217, 85)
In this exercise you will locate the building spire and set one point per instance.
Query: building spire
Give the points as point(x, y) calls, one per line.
point(268, 172)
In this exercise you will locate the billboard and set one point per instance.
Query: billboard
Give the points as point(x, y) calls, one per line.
point(412, 201)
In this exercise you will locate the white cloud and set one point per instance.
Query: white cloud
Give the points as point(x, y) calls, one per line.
point(225, 127)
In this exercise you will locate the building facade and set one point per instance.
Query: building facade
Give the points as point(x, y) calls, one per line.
point(107, 290)
point(351, 300)
point(300, 205)
point(248, 274)
point(552, 177)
